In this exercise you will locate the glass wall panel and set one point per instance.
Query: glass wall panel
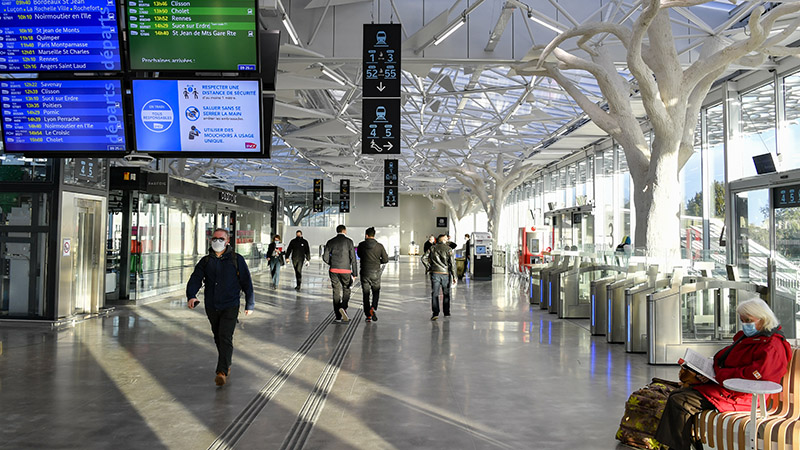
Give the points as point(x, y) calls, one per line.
point(715, 146)
point(790, 128)
point(757, 131)
point(691, 182)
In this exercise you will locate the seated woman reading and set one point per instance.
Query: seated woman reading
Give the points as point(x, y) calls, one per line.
point(759, 352)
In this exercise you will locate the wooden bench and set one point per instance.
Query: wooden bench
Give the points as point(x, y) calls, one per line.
point(779, 430)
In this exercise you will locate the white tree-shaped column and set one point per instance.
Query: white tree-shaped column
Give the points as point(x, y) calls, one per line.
point(492, 184)
point(672, 97)
point(457, 207)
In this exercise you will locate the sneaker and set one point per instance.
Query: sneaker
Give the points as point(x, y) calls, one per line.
point(337, 320)
point(434, 317)
point(373, 315)
point(345, 317)
point(297, 288)
point(368, 319)
point(447, 314)
point(220, 379)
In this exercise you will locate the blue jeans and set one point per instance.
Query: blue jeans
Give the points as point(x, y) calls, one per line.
point(440, 281)
point(275, 270)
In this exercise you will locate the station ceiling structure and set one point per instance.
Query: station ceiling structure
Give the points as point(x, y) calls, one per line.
point(462, 101)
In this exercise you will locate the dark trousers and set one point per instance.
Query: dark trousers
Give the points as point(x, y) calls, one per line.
point(223, 323)
point(675, 428)
point(340, 282)
point(298, 270)
point(440, 281)
point(370, 284)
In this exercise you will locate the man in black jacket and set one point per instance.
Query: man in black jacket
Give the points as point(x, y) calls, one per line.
point(340, 255)
point(440, 262)
point(372, 255)
point(300, 253)
point(225, 275)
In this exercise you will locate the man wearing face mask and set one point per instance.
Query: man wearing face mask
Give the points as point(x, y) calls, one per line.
point(225, 275)
point(758, 352)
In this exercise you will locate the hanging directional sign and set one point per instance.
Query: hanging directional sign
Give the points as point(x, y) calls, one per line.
point(318, 199)
point(381, 63)
point(390, 197)
point(380, 132)
point(390, 177)
point(344, 196)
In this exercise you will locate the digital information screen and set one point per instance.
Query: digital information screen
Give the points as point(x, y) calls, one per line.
point(381, 60)
point(786, 197)
point(197, 116)
point(192, 35)
point(51, 116)
point(52, 35)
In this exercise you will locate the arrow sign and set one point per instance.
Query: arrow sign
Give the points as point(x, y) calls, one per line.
point(388, 146)
point(381, 60)
point(380, 87)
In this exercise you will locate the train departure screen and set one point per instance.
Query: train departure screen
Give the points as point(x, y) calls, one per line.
point(190, 35)
point(62, 115)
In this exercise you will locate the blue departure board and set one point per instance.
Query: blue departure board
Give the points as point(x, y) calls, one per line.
point(49, 116)
point(56, 35)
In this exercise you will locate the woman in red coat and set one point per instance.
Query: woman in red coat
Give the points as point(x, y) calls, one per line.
point(758, 352)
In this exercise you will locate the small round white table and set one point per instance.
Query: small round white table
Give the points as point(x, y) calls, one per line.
point(759, 389)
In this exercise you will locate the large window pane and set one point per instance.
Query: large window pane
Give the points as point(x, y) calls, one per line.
point(757, 131)
point(790, 153)
point(716, 161)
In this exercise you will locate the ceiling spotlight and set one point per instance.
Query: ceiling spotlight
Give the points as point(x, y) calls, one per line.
point(290, 29)
point(450, 30)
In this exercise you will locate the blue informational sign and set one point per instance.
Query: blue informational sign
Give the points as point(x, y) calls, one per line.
point(197, 116)
point(71, 36)
point(786, 197)
point(62, 115)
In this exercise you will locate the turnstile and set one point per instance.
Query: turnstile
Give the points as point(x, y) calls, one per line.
point(544, 280)
point(615, 303)
point(535, 277)
point(636, 308)
point(556, 276)
point(576, 295)
point(598, 318)
point(675, 325)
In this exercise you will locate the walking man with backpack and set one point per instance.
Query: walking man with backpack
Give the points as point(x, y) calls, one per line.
point(225, 275)
point(340, 255)
point(372, 255)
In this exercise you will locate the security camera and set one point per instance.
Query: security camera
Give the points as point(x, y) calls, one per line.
point(138, 159)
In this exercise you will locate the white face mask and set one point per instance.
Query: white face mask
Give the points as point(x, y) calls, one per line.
point(217, 246)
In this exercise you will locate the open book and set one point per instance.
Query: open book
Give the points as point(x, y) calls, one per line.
point(699, 364)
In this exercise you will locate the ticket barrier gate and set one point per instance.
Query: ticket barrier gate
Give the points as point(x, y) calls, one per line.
point(615, 303)
point(555, 281)
point(547, 277)
point(535, 277)
point(636, 308)
point(668, 318)
point(599, 302)
point(576, 296)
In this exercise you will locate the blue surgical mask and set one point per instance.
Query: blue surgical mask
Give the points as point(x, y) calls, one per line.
point(749, 329)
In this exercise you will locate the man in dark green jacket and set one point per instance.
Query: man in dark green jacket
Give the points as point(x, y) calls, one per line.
point(225, 275)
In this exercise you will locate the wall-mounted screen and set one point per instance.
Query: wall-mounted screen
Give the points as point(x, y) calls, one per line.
point(52, 116)
point(197, 116)
point(68, 36)
point(193, 35)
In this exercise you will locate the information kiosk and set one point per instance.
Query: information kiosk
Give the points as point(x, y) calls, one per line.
point(481, 256)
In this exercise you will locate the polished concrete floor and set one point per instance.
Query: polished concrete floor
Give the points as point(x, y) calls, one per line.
point(497, 374)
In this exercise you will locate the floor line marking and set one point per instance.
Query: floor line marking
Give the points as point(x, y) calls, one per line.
point(234, 432)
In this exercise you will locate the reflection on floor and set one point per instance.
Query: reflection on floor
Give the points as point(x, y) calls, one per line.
point(497, 374)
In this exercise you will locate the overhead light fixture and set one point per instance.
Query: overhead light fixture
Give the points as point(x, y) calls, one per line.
point(450, 30)
point(290, 29)
point(333, 76)
point(351, 129)
point(544, 24)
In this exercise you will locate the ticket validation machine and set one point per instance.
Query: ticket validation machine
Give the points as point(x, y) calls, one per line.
point(480, 263)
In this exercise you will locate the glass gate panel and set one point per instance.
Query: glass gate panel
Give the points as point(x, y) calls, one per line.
point(786, 263)
point(752, 233)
